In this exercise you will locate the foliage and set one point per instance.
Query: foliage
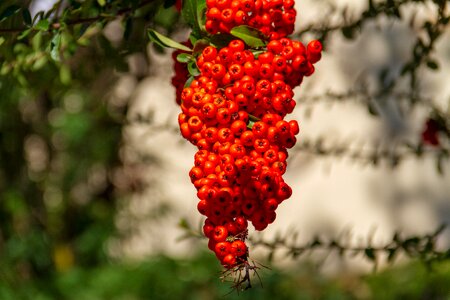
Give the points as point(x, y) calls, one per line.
point(60, 134)
point(167, 278)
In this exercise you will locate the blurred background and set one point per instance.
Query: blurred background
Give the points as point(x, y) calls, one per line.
point(95, 197)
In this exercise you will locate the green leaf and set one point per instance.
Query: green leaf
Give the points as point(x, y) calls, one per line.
point(128, 28)
point(192, 68)
point(24, 34)
point(190, 14)
point(9, 11)
point(54, 46)
point(26, 17)
point(348, 32)
point(370, 253)
point(221, 40)
point(189, 81)
point(184, 58)
point(2, 40)
point(251, 36)
point(164, 41)
point(42, 25)
point(201, 14)
point(101, 2)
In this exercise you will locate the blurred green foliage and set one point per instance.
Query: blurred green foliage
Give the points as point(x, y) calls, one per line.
point(197, 278)
point(60, 133)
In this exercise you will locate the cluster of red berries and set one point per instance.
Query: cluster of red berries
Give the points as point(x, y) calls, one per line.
point(233, 112)
point(274, 18)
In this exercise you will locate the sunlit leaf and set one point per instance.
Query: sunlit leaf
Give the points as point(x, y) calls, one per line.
point(251, 36)
point(43, 25)
point(54, 47)
point(164, 41)
point(184, 58)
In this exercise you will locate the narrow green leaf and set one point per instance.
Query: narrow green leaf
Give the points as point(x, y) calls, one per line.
point(190, 16)
point(251, 36)
point(26, 17)
point(192, 68)
point(189, 81)
point(24, 34)
point(9, 11)
point(184, 58)
point(164, 41)
point(42, 25)
point(188, 12)
point(201, 14)
point(128, 28)
point(38, 16)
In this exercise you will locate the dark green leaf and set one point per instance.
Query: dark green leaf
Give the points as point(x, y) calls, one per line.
point(38, 16)
point(348, 32)
point(391, 254)
point(26, 17)
point(164, 41)
point(192, 68)
point(221, 40)
point(42, 25)
point(201, 14)
point(128, 28)
point(184, 58)
point(9, 11)
point(370, 253)
point(251, 36)
point(190, 16)
point(432, 65)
